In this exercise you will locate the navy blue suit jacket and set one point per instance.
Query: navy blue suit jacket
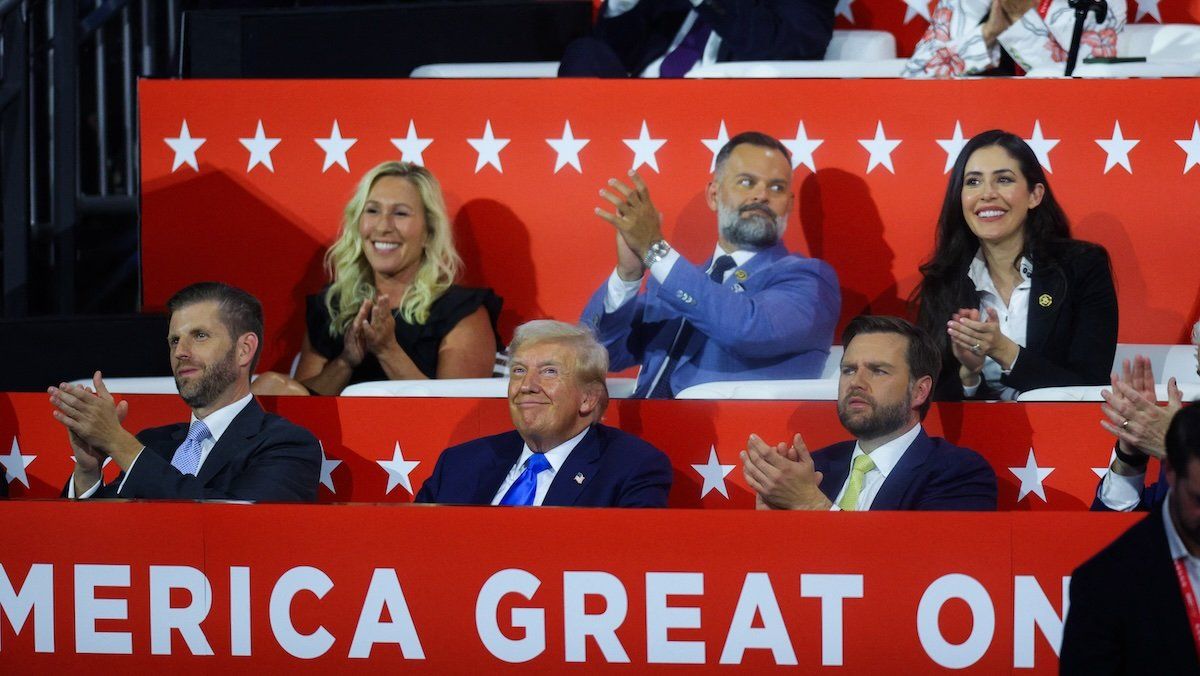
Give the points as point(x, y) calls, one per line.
point(619, 470)
point(1127, 614)
point(933, 474)
point(750, 30)
point(1152, 497)
point(260, 457)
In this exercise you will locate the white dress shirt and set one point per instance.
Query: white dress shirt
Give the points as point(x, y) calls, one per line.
point(555, 456)
point(886, 458)
point(621, 292)
point(1014, 318)
point(709, 56)
point(217, 422)
point(1178, 549)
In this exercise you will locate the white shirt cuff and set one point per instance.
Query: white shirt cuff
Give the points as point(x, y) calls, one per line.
point(619, 292)
point(1122, 493)
point(618, 7)
point(697, 3)
point(970, 391)
point(662, 268)
point(86, 494)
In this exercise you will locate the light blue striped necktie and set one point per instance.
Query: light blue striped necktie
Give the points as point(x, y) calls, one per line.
point(187, 456)
point(525, 487)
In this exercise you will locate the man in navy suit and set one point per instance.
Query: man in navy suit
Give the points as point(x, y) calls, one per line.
point(751, 312)
point(231, 450)
point(887, 375)
point(559, 454)
point(1129, 610)
point(667, 38)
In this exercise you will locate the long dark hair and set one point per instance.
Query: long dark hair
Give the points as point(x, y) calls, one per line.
point(944, 287)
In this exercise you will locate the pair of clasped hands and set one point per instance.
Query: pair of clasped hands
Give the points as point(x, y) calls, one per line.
point(372, 331)
point(972, 339)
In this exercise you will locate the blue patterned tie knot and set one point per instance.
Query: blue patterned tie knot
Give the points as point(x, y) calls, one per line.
point(187, 456)
point(525, 487)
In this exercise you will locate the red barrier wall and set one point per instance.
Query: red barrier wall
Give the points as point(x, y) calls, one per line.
point(528, 230)
point(472, 590)
point(360, 433)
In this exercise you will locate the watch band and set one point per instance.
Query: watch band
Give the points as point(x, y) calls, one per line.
point(1138, 460)
point(657, 251)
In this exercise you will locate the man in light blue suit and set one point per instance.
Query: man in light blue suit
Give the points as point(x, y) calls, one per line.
point(888, 373)
point(751, 312)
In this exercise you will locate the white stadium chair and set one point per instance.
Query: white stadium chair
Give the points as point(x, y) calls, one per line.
point(150, 385)
point(1180, 363)
point(1171, 50)
point(818, 389)
point(512, 69)
point(1190, 392)
point(1157, 353)
point(618, 388)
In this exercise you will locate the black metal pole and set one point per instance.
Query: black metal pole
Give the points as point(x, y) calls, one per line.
point(14, 163)
point(65, 155)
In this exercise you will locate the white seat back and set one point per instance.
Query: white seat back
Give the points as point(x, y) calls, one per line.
point(1180, 363)
point(1160, 42)
point(833, 363)
point(496, 388)
point(821, 389)
point(511, 69)
point(149, 385)
point(1156, 353)
point(861, 45)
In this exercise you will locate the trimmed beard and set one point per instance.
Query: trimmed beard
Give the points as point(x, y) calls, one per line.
point(213, 381)
point(883, 421)
point(751, 226)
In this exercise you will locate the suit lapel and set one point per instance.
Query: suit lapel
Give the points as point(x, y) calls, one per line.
point(835, 466)
point(565, 490)
point(891, 493)
point(491, 476)
point(245, 425)
point(1047, 294)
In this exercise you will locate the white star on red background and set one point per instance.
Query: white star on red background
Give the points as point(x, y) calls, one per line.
point(567, 148)
point(843, 9)
point(1191, 147)
point(335, 148)
point(802, 148)
point(398, 470)
point(714, 145)
point(412, 145)
point(1101, 471)
point(1031, 477)
point(15, 464)
point(260, 147)
point(489, 148)
point(185, 147)
point(714, 474)
point(1041, 146)
point(881, 148)
point(1117, 149)
point(953, 146)
point(327, 467)
point(644, 148)
point(915, 8)
point(1148, 7)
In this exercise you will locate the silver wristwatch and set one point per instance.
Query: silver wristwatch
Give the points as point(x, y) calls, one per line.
point(657, 251)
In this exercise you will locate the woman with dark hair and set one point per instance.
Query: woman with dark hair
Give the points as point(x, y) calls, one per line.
point(1018, 304)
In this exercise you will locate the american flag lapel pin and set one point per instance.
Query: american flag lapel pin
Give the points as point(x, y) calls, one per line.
point(579, 478)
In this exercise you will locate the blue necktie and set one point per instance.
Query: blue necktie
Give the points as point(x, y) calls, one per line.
point(662, 389)
point(525, 487)
point(187, 456)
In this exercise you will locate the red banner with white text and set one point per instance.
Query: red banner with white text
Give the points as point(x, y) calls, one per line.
point(1047, 456)
point(245, 181)
point(145, 588)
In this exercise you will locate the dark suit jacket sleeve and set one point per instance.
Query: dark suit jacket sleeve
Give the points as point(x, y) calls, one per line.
point(1092, 638)
point(1092, 330)
point(966, 483)
point(429, 490)
point(649, 482)
point(766, 30)
point(283, 466)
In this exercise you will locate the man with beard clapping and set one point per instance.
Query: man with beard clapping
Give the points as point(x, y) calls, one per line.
point(230, 450)
point(751, 312)
point(887, 375)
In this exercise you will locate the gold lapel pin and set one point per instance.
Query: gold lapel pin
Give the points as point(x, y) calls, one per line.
point(579, 478)
point(1045, 300)
point(741, 275)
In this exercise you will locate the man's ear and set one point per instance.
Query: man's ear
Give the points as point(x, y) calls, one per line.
point(590, 401)
point(247, 346)
point(710, 194)
point(922, 391)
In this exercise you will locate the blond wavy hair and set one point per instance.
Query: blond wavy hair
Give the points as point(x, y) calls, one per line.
point(353, 281)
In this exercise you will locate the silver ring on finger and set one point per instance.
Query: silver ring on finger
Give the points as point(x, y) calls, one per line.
point(1125, 424)
point(976, 348)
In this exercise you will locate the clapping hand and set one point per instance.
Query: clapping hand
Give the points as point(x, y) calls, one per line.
point(783, 477)
point(634, 215)
point(1133, 413)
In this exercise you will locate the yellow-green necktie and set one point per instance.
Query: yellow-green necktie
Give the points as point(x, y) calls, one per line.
point(862, 465)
